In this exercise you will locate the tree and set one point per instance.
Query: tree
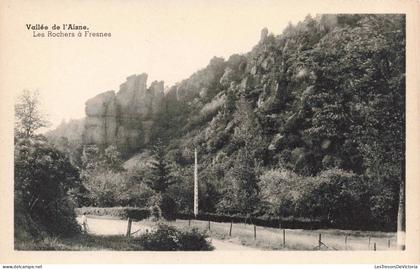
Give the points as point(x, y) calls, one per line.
point(43, 179)
point(107, 182)
point(281, 189)
point(337, 196)
point(112, 159)
point(160, 172)
point(241, 192)
point(28, 116)
point(248, 132)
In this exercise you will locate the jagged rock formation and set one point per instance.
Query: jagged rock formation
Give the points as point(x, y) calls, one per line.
point(125, 118)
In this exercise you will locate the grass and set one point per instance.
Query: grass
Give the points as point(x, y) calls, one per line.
point(187, 239)
point(82, 242)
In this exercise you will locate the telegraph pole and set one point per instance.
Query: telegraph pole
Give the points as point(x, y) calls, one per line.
point(401, 217)
point(195, 184)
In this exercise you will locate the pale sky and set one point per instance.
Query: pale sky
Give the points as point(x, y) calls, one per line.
point(168, 40)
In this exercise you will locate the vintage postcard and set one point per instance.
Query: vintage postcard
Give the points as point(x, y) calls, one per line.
point(209, 132)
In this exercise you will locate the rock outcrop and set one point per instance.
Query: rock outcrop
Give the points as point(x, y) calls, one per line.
point(123, 119)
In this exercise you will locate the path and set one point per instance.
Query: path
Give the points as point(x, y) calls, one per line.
point(105, 226)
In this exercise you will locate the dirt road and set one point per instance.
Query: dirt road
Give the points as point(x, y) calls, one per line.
point(104, 226)
point(267, 238)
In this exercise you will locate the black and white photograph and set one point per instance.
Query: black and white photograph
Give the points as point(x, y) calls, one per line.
point(239, 126)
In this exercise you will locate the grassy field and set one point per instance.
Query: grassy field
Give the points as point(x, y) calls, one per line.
point(295, 239)
point(83, 242)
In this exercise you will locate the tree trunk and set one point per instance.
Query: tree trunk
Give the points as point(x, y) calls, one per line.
point(401, 217)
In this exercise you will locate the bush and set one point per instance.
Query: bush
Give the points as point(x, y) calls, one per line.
point(193, 240)
point(266, 221)
point(120, 212)
point(168, 238)
point(168, 208)
point(280, 188)
point(43, 179)
point(339, 197)
point(165, 238)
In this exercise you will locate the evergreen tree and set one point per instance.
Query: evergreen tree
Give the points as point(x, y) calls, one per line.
point(242, 190)
point(160, 171)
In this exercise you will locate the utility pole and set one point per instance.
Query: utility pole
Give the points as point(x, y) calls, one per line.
point(195, 184)
point(401, 218)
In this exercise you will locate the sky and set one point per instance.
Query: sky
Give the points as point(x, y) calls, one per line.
point(168, 40)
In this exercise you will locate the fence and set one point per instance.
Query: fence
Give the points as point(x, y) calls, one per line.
point(322, 241)
point(289, 223)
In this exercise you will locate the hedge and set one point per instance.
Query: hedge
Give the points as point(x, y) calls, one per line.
point(138, 214)
point(134, 213)
point(266, 221)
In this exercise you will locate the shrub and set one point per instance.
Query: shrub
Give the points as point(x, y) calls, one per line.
point(137, 213)
point(193, 240)
point(168, 238)
point(280, 188)
point(43, 179)
point(165, 238)
point(155, 212)
point(339, 197)
point(168, 208)
point(266, 221)
point(120, 212)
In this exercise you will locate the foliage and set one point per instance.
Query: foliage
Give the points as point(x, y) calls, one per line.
point(81, 242)
point(108, 184)
point(340, 197)
point(120, 212)
point(105, 188)
point(190, 240)
point(182, 192)
point(168, 207)
point(28, 116)
point(165, 238)
point(281, 189)
point(242, 190)
point(108, 189)
point(112, 159)
point(263, 220)
point(107, 160)
point(67, 137)
point(316, 112)
point(43, 179)
point(242, 193)
point(168, 238)
point(160, 171)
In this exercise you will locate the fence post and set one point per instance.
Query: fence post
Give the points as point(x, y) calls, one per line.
point(284, 237)
point(230, 230)
point(255, 232)
point(319, 241)
point(389, 243)
point(129, 227)
point(374, 246)
point(369, 243)
point(209, 226)
point(189, 222)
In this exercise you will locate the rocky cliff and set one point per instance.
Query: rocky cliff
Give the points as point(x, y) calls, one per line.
point(302, 91)
point(124, 118)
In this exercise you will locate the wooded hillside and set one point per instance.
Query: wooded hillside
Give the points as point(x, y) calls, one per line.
point(308, 124)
